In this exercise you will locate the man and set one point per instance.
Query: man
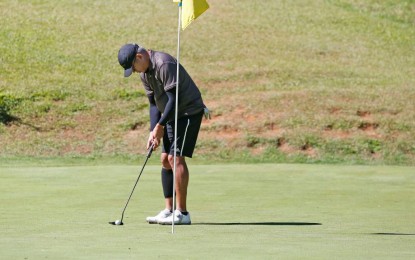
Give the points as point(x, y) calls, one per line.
point(158, 72)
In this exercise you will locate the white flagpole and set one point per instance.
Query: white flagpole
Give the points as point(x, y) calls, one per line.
point(176, 113)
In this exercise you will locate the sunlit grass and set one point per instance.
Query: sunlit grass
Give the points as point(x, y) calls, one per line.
point(269, 69)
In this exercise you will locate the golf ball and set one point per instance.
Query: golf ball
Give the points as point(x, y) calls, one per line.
point(117, 222)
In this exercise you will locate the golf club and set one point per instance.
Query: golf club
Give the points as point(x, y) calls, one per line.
point(119, 222)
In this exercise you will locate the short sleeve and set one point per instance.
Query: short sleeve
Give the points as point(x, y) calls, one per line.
point(149, 91)
point(167, 75)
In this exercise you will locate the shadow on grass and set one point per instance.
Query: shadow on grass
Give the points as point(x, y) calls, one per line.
point(259, 224)
point(393, 234)
point(8, 120)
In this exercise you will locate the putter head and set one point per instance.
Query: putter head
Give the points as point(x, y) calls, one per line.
point(115, 224)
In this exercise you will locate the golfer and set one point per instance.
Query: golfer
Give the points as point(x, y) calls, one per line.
point(158, 73)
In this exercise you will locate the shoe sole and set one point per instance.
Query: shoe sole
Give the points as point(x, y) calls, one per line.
point(176, 223)
point(153, 221)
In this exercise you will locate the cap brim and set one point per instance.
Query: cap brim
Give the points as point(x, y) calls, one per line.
point(128, 72)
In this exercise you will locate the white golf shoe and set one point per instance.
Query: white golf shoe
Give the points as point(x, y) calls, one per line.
point(165, 213)
point(179, 219)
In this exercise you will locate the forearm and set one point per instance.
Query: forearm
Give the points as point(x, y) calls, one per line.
point(169, 109)
point(154, 113)
point(158, 121)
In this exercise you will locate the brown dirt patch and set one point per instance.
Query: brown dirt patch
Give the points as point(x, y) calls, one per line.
point(370, 129)
point(363, 114)
point(336, 134)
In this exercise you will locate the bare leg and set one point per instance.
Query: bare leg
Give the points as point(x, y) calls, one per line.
point(182, 181)
point(169, 203)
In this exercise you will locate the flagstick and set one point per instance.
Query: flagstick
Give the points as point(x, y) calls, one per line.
point(176, 114)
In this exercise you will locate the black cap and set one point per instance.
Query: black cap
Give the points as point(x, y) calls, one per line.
point(126, 57)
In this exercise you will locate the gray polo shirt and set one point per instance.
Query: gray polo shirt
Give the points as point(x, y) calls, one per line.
point(161, 77)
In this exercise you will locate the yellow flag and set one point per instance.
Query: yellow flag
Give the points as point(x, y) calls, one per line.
point(191, 9)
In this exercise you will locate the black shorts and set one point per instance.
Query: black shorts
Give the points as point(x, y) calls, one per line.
point(187, 131)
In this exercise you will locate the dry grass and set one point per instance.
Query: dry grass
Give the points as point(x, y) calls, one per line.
point(307, 81)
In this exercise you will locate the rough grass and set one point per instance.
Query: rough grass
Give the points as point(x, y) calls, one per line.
point(288, 81)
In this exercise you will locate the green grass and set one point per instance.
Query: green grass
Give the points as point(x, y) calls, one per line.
point(311, 73)
point(259, 211)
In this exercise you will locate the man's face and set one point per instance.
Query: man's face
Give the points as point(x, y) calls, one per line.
point(140, 63)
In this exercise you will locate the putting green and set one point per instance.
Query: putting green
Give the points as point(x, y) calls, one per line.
point(238, 211)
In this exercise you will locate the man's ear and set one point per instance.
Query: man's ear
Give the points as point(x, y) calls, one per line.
point(139, 56)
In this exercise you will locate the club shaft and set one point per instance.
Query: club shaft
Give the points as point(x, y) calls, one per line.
point(136, 182)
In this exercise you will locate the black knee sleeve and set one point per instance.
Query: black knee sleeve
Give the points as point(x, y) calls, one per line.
point(167, 182)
